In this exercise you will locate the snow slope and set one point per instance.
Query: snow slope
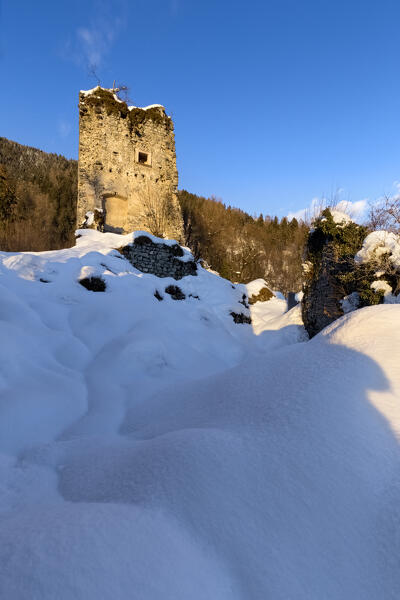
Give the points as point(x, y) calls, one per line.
point(156, 450)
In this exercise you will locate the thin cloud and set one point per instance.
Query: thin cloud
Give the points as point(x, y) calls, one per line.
point(97, 40)
point(395, 190)
point(90, 44)
point(356, 210)
point(307, 214)
point(393, 196)
point(64, 128)
point(174, 6)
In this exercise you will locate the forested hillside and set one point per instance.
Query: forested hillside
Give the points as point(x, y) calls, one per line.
point(243, 248)
point(37, 198)
point(38, 211)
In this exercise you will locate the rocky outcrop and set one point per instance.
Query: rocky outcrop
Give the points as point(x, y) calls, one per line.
point(292, 300)
point(331, 272)
point(323, 292)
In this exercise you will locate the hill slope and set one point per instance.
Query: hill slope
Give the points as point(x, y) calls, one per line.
point(38, 194)
point(158, 446)
point(243, 248)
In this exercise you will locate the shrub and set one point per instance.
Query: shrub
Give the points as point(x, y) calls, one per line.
point(240, 318)
point(175, 292)
point(93, 284)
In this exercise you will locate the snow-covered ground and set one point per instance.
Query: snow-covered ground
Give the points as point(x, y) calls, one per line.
point(157, 450)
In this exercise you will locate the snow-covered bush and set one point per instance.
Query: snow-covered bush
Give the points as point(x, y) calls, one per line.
point(380, 253)
point(376, 276)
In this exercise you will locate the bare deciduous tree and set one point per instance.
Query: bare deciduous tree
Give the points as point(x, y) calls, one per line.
point(158, 211)
point(385, 214)
point(92, 72)
point(122, 92)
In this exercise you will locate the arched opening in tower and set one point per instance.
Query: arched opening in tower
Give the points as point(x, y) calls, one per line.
point(116, 213)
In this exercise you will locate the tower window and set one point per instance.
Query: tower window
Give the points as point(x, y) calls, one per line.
point(143, 158)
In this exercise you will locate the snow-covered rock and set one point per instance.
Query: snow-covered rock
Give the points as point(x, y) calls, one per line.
point(259, 291)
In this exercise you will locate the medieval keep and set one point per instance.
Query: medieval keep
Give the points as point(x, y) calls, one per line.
point(127, 166)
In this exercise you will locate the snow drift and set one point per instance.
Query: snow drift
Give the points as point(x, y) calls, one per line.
point(156, 449)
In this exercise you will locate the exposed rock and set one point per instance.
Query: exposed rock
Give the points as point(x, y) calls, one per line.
point(258, 291)
point(244, 301)
point(331, 272)
point(291, 300)
point(264, 295)
point(323, 293)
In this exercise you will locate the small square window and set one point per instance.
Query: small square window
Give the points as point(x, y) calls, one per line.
point(143, 158)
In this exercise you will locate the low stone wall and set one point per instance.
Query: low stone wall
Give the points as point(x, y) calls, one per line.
point(158, 259)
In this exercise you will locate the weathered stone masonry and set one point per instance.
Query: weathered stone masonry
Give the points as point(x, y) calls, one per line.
point(158, 259)
point(127, 166)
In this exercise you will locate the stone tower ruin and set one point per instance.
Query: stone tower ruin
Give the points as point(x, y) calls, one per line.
point(127, 166)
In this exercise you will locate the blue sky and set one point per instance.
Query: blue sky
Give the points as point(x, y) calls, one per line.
point(275, 102)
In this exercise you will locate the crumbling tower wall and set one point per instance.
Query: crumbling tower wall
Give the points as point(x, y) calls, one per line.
point(127, 166)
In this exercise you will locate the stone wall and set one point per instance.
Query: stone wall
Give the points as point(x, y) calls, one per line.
point(158, 259)
point(127, 166)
